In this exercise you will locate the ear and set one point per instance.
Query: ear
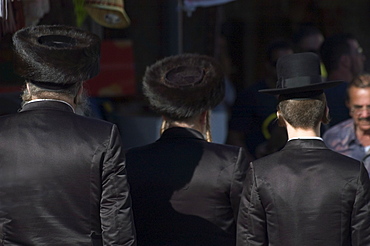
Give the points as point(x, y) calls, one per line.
point(278, 114)
point(203, 117)
point(76, 99)
point(345, 61)
point(80, 90)
point(28, 87)
point(326, 117)
point(347, 104)
point(280, 119)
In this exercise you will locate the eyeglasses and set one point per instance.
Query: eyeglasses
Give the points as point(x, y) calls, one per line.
point(358, 109)
point(359, 51)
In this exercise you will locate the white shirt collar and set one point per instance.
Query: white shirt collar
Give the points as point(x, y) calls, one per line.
point(54, 100)
point(317, 138)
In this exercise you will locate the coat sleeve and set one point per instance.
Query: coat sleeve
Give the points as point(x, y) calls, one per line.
point(361, 211)
point(115, 205)
point(251, 224)
point(240, 169)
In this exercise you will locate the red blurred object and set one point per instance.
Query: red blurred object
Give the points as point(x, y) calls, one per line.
point(117, 72)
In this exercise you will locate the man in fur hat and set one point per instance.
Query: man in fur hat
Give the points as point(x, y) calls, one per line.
point(305, 194)
point(63, 177)
point(185, 189)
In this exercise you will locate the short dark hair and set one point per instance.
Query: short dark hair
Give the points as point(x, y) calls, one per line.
point(40, 92)
point(333, 48)
point(305, 113)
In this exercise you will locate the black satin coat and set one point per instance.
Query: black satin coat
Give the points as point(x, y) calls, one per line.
point(185, 190)
point(305, 195)
point(62, 179)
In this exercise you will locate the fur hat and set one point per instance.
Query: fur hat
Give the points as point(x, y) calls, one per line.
point(183, 86)
point(56, 56)
point(299, 75)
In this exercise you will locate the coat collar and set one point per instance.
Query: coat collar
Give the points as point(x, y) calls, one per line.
point(47, 104)
point(305, 143)
point(181, 132)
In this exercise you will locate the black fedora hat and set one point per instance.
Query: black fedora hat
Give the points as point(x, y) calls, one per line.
point(300, 73)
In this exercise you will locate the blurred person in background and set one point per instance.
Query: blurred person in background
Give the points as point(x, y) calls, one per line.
point(309, 38)
point(352, 137)
point(252, 124)
point(343, 58)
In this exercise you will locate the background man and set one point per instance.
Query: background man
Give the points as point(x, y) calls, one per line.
point(63, 177)
point(305, 194)
point(185, 189)
point(352, 137)
point(253, 115)
point(309, 38)
point(343, 58)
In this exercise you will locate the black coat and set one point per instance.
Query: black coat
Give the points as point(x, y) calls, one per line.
point(62, 179)
point(185, 190)
point(305, 195)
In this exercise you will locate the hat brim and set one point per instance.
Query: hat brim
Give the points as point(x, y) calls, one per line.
point(313, 87)
point(119, 18)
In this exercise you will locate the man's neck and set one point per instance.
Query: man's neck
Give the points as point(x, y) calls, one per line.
point(195, 124)
point(300, 132)
point(198, 123)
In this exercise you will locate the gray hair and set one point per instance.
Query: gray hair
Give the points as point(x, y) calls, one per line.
point(40, 92)
point(81, 101)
